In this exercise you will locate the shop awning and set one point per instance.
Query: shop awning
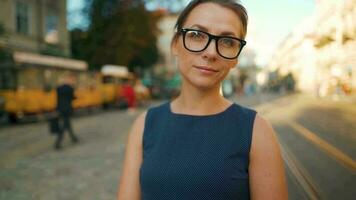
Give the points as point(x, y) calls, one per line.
point(49, 61)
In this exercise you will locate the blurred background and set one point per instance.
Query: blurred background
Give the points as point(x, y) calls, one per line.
point(298, 70)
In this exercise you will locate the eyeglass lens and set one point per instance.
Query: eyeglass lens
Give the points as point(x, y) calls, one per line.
point(197, 41)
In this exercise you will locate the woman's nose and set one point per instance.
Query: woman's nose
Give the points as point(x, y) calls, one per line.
point(211, 51)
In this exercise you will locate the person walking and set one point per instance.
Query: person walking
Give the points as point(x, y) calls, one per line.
point(65, 97)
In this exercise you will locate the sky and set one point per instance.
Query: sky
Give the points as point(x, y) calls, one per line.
point(76, 19)
point(270, 21)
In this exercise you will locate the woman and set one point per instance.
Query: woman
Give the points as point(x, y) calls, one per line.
point(200, 145)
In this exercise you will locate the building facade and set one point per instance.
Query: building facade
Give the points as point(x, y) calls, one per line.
point(36, 26)
point(321, 52)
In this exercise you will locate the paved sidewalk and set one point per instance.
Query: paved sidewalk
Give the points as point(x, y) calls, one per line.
point(31, 170)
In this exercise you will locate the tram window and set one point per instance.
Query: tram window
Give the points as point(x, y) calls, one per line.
point(82, 79)
point(7, 80)
point(108, 79)
point(60, 74)
point(50, 79)
point(31, 78)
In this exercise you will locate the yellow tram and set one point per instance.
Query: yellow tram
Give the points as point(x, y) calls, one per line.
point(28, 82)
point(113, 77)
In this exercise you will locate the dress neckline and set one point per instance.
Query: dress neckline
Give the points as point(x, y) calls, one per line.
point(190, 115)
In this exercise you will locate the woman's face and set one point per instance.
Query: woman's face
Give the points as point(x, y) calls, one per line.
point(206, 69)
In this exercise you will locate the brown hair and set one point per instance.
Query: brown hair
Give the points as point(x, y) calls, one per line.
point(234, 5)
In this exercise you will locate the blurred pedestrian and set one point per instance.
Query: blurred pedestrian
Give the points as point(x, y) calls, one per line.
point(200, 145)
point(65, 96)
point(129, 94)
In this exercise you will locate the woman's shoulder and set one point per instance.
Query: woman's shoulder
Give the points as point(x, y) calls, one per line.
point(264, 137)
point(154, 110)
point(158, 111)
point(139, 122)
point(245, 113)
point(146, 119)
point(159, 107)
point(244, 109)
point(261, 124)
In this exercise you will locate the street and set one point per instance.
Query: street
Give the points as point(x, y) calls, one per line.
point(318, 145)
point(317, 138)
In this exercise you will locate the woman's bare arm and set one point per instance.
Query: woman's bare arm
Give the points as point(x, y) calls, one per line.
point(129, 187)
point(266, 169)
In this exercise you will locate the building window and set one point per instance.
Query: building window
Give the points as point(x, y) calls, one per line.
point(51, 30)
point(22, 18)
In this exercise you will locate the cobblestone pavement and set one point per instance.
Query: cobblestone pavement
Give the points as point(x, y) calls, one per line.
point(31, 169)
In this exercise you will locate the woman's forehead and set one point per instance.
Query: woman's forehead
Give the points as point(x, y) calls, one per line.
point(215, 19)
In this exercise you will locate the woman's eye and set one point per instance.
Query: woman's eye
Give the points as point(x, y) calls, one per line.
point(228, 42)
point(196, 35)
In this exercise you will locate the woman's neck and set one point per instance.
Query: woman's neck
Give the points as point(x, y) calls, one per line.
point(199, 102)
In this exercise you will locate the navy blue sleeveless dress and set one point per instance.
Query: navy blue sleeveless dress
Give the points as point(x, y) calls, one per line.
point(189, 157)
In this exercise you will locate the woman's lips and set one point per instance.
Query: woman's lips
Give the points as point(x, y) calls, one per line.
point(206, 70)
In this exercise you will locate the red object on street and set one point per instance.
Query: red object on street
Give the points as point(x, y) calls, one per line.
point(129, 94)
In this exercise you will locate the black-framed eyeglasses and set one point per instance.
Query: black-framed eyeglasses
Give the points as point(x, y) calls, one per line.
point(226, 46)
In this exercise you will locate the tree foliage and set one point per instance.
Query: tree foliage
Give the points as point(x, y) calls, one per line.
point(121, 32)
